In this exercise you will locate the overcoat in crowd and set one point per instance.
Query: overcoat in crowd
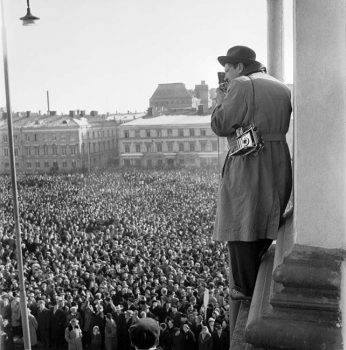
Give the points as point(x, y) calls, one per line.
point(205, 341)
point(74, 338)
point(33, 325)
point(254, 189)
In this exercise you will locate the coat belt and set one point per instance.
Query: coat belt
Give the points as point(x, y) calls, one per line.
point(273, 136)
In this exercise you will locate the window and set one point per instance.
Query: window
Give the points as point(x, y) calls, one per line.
point(94, 147)
point(181, 147)
point(214, 146)
point(159, 132)
point(64, 164)
point(35, 137)
point(192, 132)
point(74, 164)
point(63, 150)
point(83, 148)
point(203, 146)
point(27, 137)
point(138, 148)
point(28, 165)
point(159, 147)
point(192, 146)
point(37, 165)
point(45, 150)
point(37, 150)
point(181, 132)
point(55, 150)
point(127, 148)
point(169, 132)
point(5, 138)
point(203, 132)
point(147, 132)
point(27, 151)
point(7, 165)
point(126, 134)
point(137, 133)
point(46, 164)
point(148, 146)
point(170, 146)
point(108, 144)
point(159, 162)
point(6, 152)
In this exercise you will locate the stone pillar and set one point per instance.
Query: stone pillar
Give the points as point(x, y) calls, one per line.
point(319, 125)
point(275, 55)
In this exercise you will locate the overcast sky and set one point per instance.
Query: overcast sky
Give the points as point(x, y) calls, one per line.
point(110, 55)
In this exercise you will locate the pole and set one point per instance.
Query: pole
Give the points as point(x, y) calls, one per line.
point(23, 303)
point(48, 108)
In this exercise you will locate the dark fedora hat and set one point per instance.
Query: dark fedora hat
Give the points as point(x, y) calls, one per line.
point(237, 54)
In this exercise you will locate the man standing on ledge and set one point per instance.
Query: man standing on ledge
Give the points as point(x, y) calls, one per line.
point(254, 188)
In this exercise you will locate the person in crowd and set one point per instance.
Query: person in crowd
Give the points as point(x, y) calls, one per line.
point(189, 340)
point(221, 337)
point(44, 324)
point(96, 339)
point(145, 334)
point(33, 326)
point(205, 340)
point(58, 323)
point(111, 336)
point(73, 335)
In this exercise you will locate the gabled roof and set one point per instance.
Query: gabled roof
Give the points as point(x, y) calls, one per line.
point(172, 90)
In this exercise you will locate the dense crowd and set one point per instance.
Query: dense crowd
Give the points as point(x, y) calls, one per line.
point(102, 250)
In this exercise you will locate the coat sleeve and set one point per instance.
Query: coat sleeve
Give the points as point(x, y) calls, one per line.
point(232, 110)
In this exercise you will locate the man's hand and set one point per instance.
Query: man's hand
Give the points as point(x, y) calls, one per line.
point(220, 95)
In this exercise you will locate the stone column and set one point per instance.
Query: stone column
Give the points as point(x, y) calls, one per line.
point(275, 55)
point(320, 123)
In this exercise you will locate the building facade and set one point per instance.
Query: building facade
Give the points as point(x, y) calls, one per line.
point(170, 141)
point(58, 143)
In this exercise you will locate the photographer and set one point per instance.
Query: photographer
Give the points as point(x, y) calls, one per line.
point(73, 335)
point(255, 187)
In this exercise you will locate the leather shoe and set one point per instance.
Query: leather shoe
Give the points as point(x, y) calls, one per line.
point(236, 295)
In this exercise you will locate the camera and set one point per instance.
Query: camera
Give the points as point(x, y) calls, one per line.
point(247, 141)
point(223, 84)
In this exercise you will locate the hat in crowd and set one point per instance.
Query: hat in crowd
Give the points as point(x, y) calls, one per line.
point(237, 54)
point(145, 333)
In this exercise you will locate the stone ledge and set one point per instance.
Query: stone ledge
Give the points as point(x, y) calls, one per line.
point(280, 318)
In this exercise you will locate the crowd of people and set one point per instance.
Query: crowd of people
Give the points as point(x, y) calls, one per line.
point(105, 249)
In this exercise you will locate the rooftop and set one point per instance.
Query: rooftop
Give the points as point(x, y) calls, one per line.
point(172, 90)
point(171, 120)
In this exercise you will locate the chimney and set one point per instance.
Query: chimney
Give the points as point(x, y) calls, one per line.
point(27, 114)
point(52, 113)
point(200, 109)
point(71, 113)
point(94, 113)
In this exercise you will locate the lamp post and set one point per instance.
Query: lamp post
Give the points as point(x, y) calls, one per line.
point(28, 19)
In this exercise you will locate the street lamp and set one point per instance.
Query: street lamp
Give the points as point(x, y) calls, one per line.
point(28, 19)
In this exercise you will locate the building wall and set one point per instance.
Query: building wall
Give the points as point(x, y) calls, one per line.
point(169, 146)
point(63, 149)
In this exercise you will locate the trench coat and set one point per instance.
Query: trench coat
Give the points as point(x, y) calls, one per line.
point(254, 189)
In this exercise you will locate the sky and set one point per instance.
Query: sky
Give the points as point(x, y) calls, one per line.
point(110, 55)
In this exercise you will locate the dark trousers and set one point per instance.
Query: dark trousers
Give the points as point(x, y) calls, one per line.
point(245, 259)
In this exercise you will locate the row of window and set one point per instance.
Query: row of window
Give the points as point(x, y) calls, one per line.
point(169, 162)
point(167, 132)
point(46, 164)
point(178, 103)
point(63, 136)
point(182, 147)
point(63, 150)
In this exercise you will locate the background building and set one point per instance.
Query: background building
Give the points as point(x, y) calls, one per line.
point(58, 143)
point(170, 141)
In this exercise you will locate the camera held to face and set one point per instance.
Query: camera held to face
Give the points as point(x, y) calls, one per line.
point(223, 84)
point(247, 141)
